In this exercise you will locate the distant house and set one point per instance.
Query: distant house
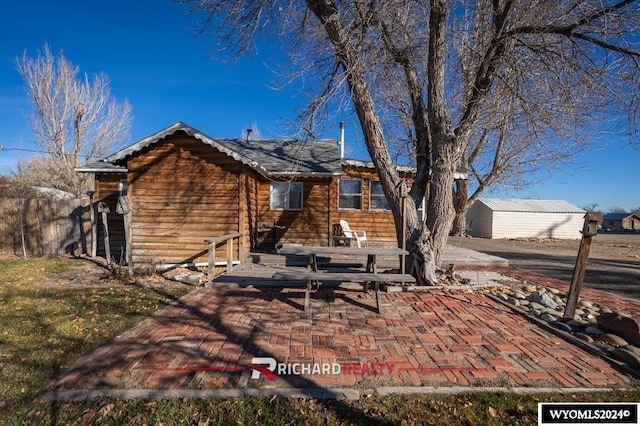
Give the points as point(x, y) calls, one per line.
point(618, 222)
point(520, 218)
point(185, 186)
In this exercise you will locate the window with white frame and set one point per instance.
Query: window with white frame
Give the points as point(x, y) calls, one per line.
point(286, 196)
point(377, 199)
point(422, 214)
point(350, 194)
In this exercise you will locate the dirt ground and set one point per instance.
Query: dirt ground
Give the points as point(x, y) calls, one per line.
point(614, 260)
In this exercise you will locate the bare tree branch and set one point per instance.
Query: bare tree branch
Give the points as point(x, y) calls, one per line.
point(75, 119)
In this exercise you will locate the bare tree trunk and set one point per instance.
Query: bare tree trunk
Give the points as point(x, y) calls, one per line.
point(419, 243)
point(445, 144)
point(461, 205)
point(440, 211)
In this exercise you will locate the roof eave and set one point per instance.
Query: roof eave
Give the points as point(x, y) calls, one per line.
point(101, 171)
point(88, 169)
point(302, 174)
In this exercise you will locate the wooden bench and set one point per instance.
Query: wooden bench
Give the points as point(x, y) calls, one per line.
point(362, 277)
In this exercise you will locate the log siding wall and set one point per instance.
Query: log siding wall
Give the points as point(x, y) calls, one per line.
point(182, 192)
point(379, 224)
point(310, 226)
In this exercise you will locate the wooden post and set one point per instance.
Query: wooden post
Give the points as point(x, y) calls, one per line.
point(212, 263)
point(94, 225)
point(403, 258)
point(127, 232)
point(589, 230)
point(124, 208)
point(229, 254)
point(103, 208)
point(80, 243)
point(211, 260)
point(22, 236)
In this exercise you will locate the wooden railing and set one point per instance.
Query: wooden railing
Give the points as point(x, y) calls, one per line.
point(212, 243)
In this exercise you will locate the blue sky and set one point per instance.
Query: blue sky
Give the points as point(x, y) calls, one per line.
point(149, 50)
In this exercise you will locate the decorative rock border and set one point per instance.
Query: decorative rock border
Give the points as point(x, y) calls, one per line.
point(547, 306)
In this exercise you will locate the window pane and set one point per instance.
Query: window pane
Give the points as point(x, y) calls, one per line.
point(377, 200)
point(351, 187)
point(286, 196)
point(350, 194)
point(277, 196)
point(379, 203)
point(349, 202)
point(295, 196)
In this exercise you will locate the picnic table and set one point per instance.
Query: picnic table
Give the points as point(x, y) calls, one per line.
point(314, 276)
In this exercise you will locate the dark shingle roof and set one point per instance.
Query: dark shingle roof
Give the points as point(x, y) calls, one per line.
point(271, 157)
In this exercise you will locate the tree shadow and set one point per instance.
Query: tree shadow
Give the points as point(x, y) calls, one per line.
point(193, 312)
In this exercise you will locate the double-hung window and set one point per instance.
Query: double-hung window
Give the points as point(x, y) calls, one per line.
point(377, 199)
point(286, 196)
point(350, 194)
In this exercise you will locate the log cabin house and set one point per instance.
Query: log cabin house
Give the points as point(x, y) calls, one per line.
point(185, 186)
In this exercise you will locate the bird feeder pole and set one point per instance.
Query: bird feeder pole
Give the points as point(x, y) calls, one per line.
point(589, 231)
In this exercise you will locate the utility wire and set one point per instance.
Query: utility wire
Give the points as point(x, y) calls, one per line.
point(3, 148)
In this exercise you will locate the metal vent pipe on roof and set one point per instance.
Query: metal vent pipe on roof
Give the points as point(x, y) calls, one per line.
point(342, 139)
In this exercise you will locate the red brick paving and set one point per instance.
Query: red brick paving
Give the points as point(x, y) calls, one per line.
point(208, 338)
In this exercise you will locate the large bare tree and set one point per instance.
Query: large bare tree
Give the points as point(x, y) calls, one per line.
point(557, 92)
point(483, 86)
point(75, 119)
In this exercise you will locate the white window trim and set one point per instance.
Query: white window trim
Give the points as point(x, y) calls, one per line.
point(371, 181)
point(360, 194)
point(287, 206)
point(422, 211)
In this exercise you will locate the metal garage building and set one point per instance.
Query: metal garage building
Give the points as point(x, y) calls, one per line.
point(515, 218)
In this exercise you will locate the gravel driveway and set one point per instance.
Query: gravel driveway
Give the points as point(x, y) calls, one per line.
point(614, 260)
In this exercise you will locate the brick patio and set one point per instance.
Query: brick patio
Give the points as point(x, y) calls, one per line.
point(208, 339)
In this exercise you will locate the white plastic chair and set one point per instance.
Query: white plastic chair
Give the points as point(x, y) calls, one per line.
point(359, 236)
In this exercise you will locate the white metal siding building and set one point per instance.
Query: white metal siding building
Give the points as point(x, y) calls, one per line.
point(515, 218)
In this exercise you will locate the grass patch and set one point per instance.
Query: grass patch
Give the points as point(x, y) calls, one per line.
point(486, 408)
point(46, 329)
